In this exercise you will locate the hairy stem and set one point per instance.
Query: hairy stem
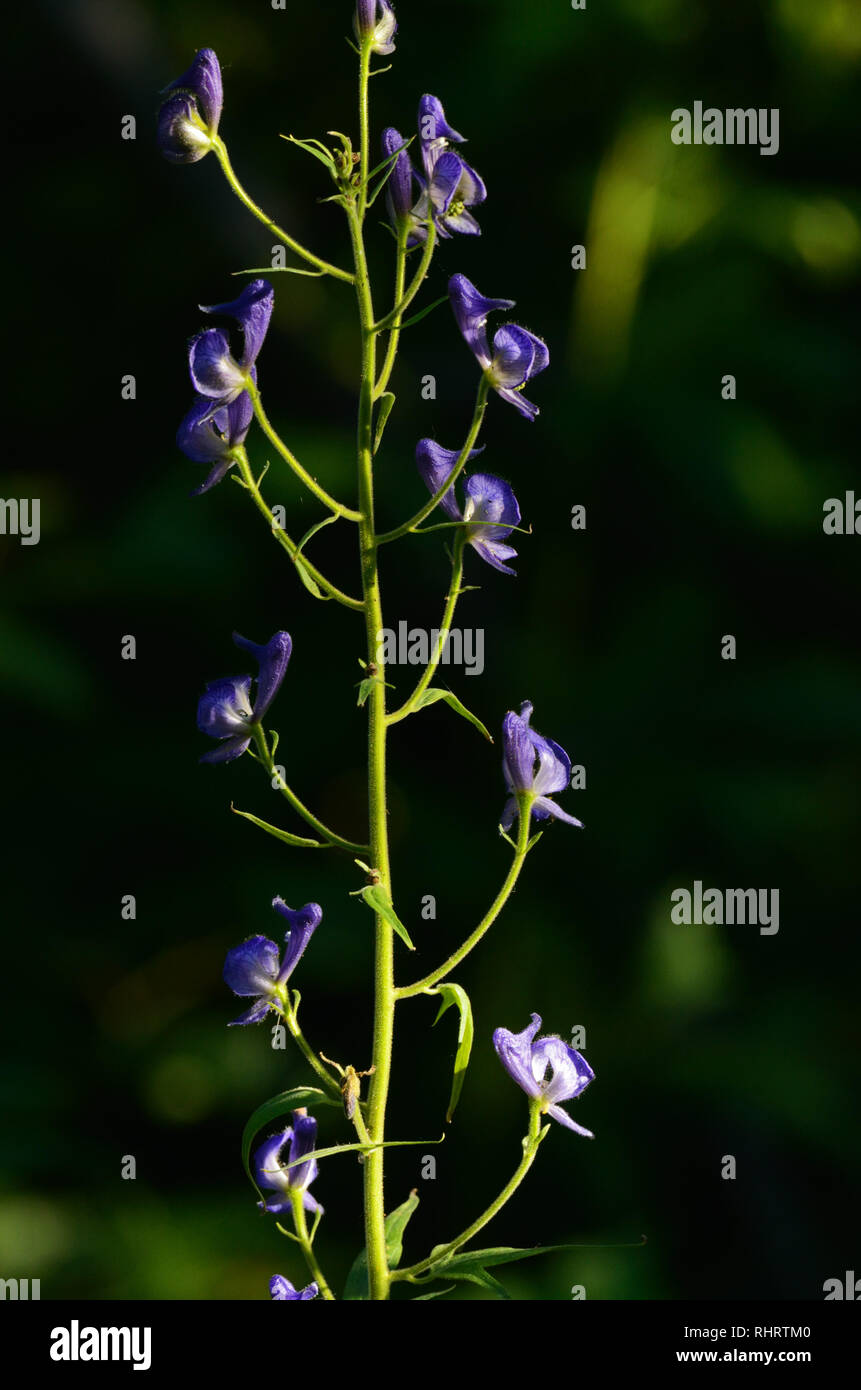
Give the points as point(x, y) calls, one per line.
point(224, 160)
point(430, 670)
point(307, 1248)
point(289, 457)
point(457, 469)
point(408, 991)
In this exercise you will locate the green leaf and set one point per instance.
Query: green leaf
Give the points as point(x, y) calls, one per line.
point(376, 897)
point(356, 1287)
point(426, 1297)
point(455, 994)
point(475, 1261)
point(320, 152)
point(430, 697)
point(305, 575)
point(297, 841)
point(327, 521)
point(387, 400)
point(484, 1281)
point(423, 313)
point(272, 1110)
point(279, 270)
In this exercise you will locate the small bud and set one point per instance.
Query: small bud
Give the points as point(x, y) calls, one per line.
point(375, 20)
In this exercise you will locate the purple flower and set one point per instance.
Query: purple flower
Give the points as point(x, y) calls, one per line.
point(270, 1175)
point(533, 765)
point(282, 1291)
point(547, 1070)
point(491, 511)
point(399, 189)
point(208, 437)
point(215, 373)
point(517, 354)
point(375, 19)
point(188, 119)
point(451, 186)
point(225, 710)
point(253, 971)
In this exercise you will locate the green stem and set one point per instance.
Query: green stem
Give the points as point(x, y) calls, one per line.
point(250, 483)
point(330, 1084)
point(408, 991)
point(269, 763)
point(403, 301)
point(425, 511)
point(450, 604)
point(227, 168)
point(530, 1149)
point(278, 443)
point(394, 336)
point(307, 1248)
point(384, 1003)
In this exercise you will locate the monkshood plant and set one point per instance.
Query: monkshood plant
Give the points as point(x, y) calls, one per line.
point(432, 195)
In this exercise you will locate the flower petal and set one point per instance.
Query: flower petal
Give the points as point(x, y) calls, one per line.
point(302, 1146)
point(224, 708)
point(273, 659)
point(252, 968)
point(545, 809)
point(471, 309)
point(518, 753)
point(494, 508)
point(564, 1118)
point(227, 752)
point(303, 922)
point(178, 134)
point(433, 124)
point(256, 1014)
point(515, 1053)
point(252, 310)
point(495, 553)
point(513, 355)
point(399, 189)
point(282, 1291)
point(203, 80)
point(570, 1072)
point(265, 1164)
point(214, 373)
point(434, 464)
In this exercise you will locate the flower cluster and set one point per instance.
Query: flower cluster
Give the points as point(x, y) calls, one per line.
point(447, 186)
point(433, 198)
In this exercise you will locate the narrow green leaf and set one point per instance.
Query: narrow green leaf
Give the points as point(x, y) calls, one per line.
point(426, 1297)
point(327, 521)
point(273, 1109)
point(356, 1287)
point(484, 1281)
point(387, 400)
point(320, 152)
point(455, 994)
point(280, 270)
point(377, 899)
point(305, 575)
point(474, 1261)
point(297, 841)
point(423, 313)
point(431, 696)
point(365, 688)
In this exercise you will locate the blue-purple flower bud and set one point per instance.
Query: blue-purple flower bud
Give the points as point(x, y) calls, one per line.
point(188, 118)
point(375, 20)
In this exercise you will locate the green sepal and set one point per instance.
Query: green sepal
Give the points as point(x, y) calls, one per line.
point(271, 1110)
point(457, 995)
point(430, 697)
point(387, 401)
point(356, 1288)
point(377, 899)
point(423, 313)
point(297, 841)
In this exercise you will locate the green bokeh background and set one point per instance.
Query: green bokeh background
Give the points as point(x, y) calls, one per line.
point(704, 518)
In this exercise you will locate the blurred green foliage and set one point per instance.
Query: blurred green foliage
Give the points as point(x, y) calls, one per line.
point(704, 518)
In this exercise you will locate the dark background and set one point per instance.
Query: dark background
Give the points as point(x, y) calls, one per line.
point(704, 518)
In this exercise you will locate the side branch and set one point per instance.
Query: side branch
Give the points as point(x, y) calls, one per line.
point(430, 670)
point(268, 762)
point(324, 266)
point(521, 851)
point(425, 511)
point(337, 508)
point(250, 484)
